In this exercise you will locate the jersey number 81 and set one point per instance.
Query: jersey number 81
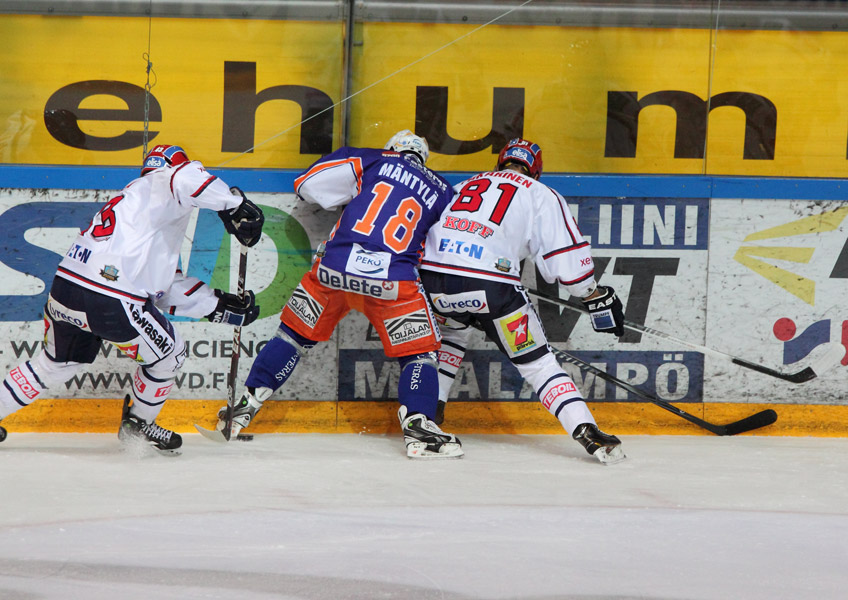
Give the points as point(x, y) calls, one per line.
point(471, 197)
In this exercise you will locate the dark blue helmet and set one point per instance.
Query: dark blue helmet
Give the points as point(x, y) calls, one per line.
point(163, 156)
point(523, 152)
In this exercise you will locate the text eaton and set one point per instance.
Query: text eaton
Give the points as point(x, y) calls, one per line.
point(460, 247)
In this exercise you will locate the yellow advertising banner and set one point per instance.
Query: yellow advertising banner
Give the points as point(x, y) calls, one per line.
point(617, 100)
point(230, 91)
point(268, 94)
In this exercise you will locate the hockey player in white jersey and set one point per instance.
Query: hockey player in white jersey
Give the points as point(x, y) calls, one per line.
point(471, 272)
point(120, 274)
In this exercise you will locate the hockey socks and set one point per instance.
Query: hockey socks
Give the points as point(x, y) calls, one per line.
point(28, 380)
point(418, 386)
point(150, 394)
point(276, 361)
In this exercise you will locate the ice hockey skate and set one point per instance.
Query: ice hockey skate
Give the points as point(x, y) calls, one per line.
point(244, 412)
point(424, 439)
point(138, 433)
point(606, 448)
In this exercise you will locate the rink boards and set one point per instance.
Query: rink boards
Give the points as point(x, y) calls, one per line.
point(756, 277)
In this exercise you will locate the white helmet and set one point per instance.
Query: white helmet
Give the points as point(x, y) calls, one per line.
point(406, 141)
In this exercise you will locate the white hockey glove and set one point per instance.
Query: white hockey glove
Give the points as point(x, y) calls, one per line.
point(233, 311)
point(606, 311)
point(244, 221)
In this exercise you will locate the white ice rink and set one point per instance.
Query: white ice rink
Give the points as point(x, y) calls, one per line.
point(333, 517)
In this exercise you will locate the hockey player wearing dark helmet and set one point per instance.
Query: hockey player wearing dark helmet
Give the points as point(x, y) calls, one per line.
point(163, 156)
point(525, 154)
point(119, 277)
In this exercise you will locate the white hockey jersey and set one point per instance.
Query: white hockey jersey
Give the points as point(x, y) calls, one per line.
point(498, 219)
point(131, 248)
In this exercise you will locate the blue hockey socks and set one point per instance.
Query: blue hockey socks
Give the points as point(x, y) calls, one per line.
point(418, 386)
point(276, 361)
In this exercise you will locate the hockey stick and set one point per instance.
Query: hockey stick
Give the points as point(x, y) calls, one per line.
point(234, 361)
point(224, 434)
point(830, 359)
point(755, 421)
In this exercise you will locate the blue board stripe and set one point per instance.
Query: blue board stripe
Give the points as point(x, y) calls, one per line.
point(589, 185)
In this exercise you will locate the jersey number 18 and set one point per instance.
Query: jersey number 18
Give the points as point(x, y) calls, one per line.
point(398, 230)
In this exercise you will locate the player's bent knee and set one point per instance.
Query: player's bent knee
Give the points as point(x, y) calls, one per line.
point(537, 372)
point(50, 372)
point(278, 358)
point(168, 366)
point(290, 336)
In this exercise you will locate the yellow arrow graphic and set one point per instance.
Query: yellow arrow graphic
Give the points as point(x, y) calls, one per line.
point(795, 284)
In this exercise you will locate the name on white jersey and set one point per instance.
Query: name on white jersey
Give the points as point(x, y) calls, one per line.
point(511, 175)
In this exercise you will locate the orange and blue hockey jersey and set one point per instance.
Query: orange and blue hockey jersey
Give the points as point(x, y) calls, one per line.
point(390, 202)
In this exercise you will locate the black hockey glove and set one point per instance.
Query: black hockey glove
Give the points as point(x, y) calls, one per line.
point(606, 311)
point(232, 311)
point(244, 221)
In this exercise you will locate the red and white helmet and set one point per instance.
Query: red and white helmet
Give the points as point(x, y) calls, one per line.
point(523, 152)
point(406, 141)
point(163, 156)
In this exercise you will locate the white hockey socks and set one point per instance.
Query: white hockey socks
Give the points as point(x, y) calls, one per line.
point(149, 395)
point(25, 383)
point(557, 391)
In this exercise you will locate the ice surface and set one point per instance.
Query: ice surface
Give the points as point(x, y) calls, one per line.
point(333, 517)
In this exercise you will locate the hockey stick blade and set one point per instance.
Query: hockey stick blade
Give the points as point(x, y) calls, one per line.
point(755, 421)
point(830, 359)
point(827, 361)
point(218, 436)
point(214, 435)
